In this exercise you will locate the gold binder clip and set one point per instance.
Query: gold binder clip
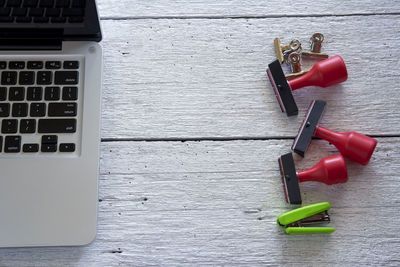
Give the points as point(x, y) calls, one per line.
point(295, 66)
point(316, 43)
point(282, 50)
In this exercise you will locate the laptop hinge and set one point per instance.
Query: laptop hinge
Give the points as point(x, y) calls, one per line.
point(31, 39)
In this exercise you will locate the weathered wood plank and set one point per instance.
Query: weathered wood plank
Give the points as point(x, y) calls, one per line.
point(206, 78)
point(209, 8)
point(216, 203)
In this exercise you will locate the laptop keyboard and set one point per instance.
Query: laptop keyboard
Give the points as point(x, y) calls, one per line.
point(42, 11)
point(39, 105)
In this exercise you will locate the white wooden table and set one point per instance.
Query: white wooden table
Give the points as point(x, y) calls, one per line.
point(191, 133)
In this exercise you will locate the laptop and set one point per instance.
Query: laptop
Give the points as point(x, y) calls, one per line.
point(50, 88)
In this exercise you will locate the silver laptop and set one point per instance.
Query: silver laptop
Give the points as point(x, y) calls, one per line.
point(50, 88)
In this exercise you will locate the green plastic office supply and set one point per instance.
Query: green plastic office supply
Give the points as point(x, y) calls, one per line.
point(295, 221)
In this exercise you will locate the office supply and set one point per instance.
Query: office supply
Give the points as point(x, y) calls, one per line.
point(298, 221)
point(355, 146)
point(50, 88)
point(295, 66)
point(315, 48)
point(330, 170)
point(281, 51)
point(325, 73)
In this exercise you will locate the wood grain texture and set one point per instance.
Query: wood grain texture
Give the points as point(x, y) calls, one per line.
point(201, 75)
point(216, 203)
point(224, 8)
point(206, 78)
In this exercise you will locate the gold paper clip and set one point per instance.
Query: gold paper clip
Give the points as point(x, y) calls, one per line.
point(295, 66)
point(282, 50)
point(316, 43)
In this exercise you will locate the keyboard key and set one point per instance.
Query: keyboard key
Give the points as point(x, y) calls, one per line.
point(3, 93)
point(75, 19)
point(66, 77)
point(41, 19)
point(44, 77)
point(52, 93)
point(35, 65)
point(46, 3)
point(36, 12)
point(67, 147)
point(4, 110)
point(71, 64)
point(27, 126)
point(3, 65)
point(16, 94)
point(78, 3)
point(23, 19)
point(19, 110)
point(14, 3)
point(69, 93)
point(12, 144)
point(34, 93)
point(9, 126)
point(57, 126)
point(73, 12)
point(30, 3)
point(6, 19)
point(62, 109)
point(49, 139)
point(1, 143)
point(16, 65)
point(9, 77)
point(5, 11)
point(38, 110)
point(53, 65)
point(58, 20)
point(49, 148)
point(30, 148)
point(26, 77)
point(53, 12)
point(62, 3)
point(19, 12)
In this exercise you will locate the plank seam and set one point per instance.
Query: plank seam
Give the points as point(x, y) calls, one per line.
point(217, 139)
point(250, 16)
point(195, 139)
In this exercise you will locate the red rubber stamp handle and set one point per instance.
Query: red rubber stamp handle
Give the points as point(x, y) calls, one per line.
point(355, 146)
point(325, 73)
point(330, 170)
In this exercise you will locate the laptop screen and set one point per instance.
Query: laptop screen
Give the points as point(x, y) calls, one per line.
point(72, 20)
